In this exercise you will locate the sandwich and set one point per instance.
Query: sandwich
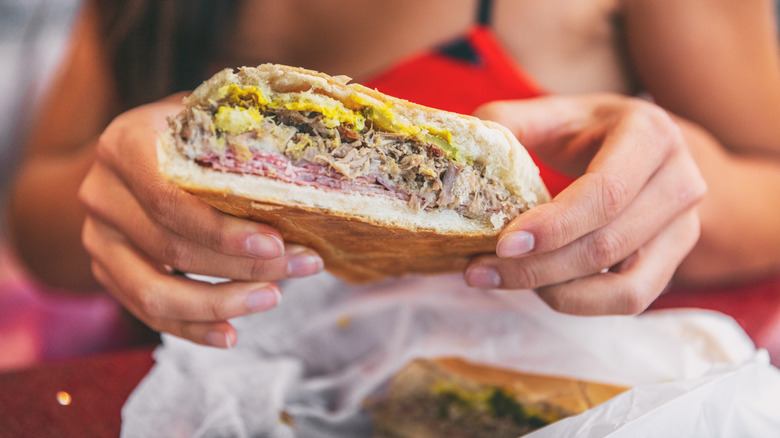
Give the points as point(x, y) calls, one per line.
point(379, 186)
point(451, 397)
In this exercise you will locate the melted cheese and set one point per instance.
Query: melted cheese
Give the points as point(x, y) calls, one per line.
point(237, 95)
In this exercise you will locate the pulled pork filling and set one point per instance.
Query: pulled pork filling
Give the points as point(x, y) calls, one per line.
point(300, 147)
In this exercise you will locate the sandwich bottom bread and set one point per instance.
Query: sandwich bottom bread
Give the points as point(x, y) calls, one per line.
point(379, 186)
point(454, 398)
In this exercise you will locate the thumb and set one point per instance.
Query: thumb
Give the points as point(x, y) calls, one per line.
point(534, 122)
point(562, 131)
point(544, 122)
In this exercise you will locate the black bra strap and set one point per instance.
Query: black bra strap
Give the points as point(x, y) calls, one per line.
point(484, 12)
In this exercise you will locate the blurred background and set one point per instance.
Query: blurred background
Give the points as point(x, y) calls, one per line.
point(37, 323)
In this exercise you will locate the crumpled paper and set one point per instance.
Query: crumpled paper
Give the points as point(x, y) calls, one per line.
point(304, 368)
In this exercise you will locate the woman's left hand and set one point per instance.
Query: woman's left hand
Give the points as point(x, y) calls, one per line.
point(611, 241)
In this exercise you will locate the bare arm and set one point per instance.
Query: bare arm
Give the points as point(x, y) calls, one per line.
point(716, 63)
point(44, 213)
point(740, 215)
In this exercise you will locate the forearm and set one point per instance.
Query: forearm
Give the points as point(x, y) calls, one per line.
point(45, 219)
point(740, 215)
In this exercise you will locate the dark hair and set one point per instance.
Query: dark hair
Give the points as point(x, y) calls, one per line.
point(158, 47)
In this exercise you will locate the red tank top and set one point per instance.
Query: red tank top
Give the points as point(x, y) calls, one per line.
point(475, 70)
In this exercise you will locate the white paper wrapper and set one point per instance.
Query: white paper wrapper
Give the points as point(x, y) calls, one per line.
point(328, 346)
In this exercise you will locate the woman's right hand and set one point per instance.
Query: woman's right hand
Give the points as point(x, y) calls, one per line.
point(140, 229)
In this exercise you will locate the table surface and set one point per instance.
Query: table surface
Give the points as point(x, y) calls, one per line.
point(33, 401)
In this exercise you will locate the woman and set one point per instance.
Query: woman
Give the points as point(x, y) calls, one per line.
point(608, 243)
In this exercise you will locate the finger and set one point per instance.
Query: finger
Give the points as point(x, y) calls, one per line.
point(127, 154)
point(552, 125)
point(617, 173)
point(632, 286)
point(187, 255)
point(104, 195)
point(548, 121)
point(557, 129)
point(152, 295)
point(214, 334)
point(671, 191)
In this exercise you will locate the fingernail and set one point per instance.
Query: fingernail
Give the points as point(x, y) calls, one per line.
point(515, 244)
point(303, 264)
point(263, 299)
point(218, 339)
point(265, 246)
point(483, 276)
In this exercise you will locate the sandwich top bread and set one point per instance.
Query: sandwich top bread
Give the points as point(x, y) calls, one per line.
point(378, 185)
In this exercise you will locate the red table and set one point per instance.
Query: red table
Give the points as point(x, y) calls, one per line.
point(34, 401)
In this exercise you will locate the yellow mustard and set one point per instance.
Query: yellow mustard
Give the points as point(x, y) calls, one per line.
point(241, 114)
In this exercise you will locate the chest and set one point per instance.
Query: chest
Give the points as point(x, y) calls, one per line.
point(566, 45)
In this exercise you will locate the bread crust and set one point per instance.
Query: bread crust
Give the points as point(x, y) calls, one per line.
point(356, 249)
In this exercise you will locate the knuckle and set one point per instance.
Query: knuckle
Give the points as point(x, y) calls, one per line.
point(606, 249)
point(178, 255)
point(149, 301)
point(88, 238)
point(632, 301)
point(92, 195)
point(688, 196)
point(99, 273)
point(105, 141)
point(652, 118)
point(643, 112)
point(193, 331)
point(693, 191)
point(491, 110)
point(560, 228)
point(85, 195)
point(217, 238)
point(564, 298)
point(613, 193)
point(161, 200)
point(694, 224)
point(556, 301)
point(186, 331)
point(688, 229)
point(258, 270)
point(522, 276)
point(162, 204)
point(699, 188)
point(108, 140)
point(214, 311)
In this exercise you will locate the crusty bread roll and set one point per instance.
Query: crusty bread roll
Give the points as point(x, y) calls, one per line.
point(446, 397)
point(271, 143)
